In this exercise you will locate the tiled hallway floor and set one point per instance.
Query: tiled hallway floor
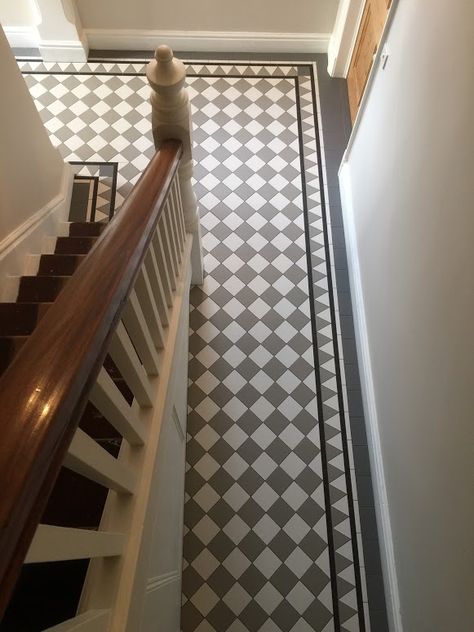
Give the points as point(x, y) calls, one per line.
point(272, 529)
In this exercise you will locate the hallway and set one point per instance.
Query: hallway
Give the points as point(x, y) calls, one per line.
point(272, 522)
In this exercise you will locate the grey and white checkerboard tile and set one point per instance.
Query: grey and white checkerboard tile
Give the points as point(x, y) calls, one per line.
point(268, 456)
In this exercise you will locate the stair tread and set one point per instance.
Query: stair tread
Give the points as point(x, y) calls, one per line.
point(9, 347)
point(76, 245)
point(59, 264)
point(20, 319)
point(86, 229)
point(41, 289)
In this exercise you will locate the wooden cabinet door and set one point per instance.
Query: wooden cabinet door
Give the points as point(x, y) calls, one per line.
point(368, 39)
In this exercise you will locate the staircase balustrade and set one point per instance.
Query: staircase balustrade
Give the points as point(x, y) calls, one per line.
point(110, 340)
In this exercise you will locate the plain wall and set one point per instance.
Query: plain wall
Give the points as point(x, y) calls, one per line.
point(31, 169)
point(18, 13)
point(273, 16)
point(411, 173)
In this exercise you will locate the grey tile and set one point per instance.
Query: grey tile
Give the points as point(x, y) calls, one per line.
point(364, 488)
point(221, 617)
point(375, 589)
point(368, 522)
point(345, 307)
point(352, 376)
point(221, 581)
point(378, 620)
point(349, 348)
point(356, 407)
point(361, 460)
point(372, 561)
point(358, 432)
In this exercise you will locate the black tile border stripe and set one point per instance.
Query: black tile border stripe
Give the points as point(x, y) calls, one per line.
point(324, 461)
point(349, 482)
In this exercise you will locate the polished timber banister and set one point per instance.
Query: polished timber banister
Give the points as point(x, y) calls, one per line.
point(46, 388)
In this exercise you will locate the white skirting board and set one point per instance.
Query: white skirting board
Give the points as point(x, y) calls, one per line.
point(370, 409)
point(343, 37)
point(74, 51)
point(29, 237)
point(22, 36)
point(208, 41)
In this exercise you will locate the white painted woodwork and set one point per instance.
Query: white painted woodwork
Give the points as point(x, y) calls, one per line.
point(91, 621)
point(343, 36)
point(128, 363)
point(137, 328)
point(86, 457)
point(156, 284)
point(149, 307)
point(163, 271)
point(166, 249)
point(57, 544)
point(171, 228)
point(147, 581)
point(179, 211)
point(171, 118)
point(176, 211)
point(108, 400)
point(60, 32)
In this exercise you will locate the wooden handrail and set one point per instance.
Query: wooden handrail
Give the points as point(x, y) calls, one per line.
point(44, 391)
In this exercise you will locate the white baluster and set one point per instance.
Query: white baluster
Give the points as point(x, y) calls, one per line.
point(109, 401)
point(157, 285)
point(149, 306)
point(137, 328)
point(128, 363)
point(164, 271)
point(87, 458)
point(178, 212)
point(168, 218)
point(56, 544)
point(171, 118)
point(167, 249)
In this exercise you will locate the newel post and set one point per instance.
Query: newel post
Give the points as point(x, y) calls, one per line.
point(171, 118)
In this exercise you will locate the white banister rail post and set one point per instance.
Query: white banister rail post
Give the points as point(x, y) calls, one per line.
point(171, 118)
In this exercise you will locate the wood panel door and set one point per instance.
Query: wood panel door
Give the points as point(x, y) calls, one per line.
point(368, 39)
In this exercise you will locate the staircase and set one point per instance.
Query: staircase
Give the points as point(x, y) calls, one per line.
point(93, 367)
point(50, 592)
point(37, 292)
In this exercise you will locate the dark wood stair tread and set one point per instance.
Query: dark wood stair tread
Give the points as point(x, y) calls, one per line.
point(86, 229)
point(20, 319)
point(40, 289)
point(9, 347)
point(74, 245)
point(58, 264)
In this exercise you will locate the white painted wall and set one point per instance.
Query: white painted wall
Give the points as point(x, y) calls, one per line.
point(31, 169)
point(18, 13)
point(35, 183)
point(409, 190)
point(315, 16)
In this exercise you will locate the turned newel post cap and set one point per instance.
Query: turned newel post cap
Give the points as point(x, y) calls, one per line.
point(163, 54)
point(165, 71)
